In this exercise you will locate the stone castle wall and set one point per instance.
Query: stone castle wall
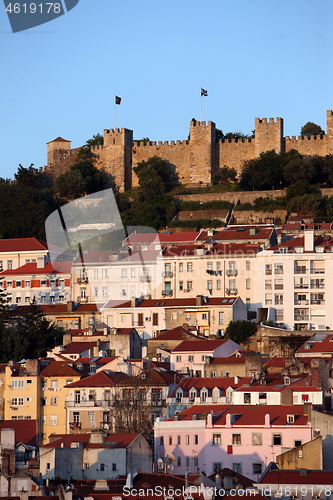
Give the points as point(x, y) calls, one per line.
point(192, 161)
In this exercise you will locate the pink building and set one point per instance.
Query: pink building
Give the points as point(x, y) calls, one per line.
point(243, 438)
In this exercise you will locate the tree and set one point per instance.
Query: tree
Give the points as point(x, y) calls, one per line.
point(262, 173)
point(225, 175)
point(239, 331)
point(82, 178)
point(311, 128)
point(96, 140)
point(38, 333)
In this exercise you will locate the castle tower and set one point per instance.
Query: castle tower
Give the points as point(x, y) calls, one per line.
point(329, 131)
point(268, 135)
point(57, 150)
point(203, 160)
point(117, 156)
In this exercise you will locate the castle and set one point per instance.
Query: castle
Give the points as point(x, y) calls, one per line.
point(192, 161)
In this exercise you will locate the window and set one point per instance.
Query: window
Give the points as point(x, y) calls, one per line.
point(257, 468)
point(95, 273)
point(54, 384)
point(54, 420)
point(297, 443)
point(174, 316)
point(178, 439)
point(257, 438)
point(181, 285)
point(203, 357)
point(124, 273)
point(187, 461)
point(9, 284)
point(18, 284)
point(189, 285)
point(247, 265)
point(178, 359)
point(209, 284)
point(96, 291)
point(189, 267)
point(76, 417)
point(179, 461)
point(187, 439)
point(17, 384)
point(196, 439)
point(170, 440)
point(268, 284)
point(217, 439)
point(277, 439)
point(132, 272)
point(247, 397)
point(9, 264)
point(191, 358)
point(91, 416)
point(236, 440)
point(102, 467)
point(180, 267)
point(54, 401)
point(105, 273)
point(48, 466)
point(43, 283)
point(278, 268)
point(140, 319)
point(204, 316)
point(114, 466)
point(161, 440)
point(218, 284)
point(268, 299)
point(268, 269)
point(278, 299)
point(104, 291)
point(248, 284)
point(155, 319)
point(217, 466)
point(248, 303)
point(18, 300)
point(123, 318)
point(221, 317)
point(237, 467)
point(232, 285)
point(1, 265)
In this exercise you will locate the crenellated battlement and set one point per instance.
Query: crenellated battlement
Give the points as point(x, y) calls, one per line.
point(193, 161)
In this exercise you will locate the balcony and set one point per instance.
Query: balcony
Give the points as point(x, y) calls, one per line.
point(145, 278)
point(186, 290)
point(300, 270)
point(318, 302)
point(301, 286)
point(167, 274)
point(167, 293)
point(82, 299)
point(301, 302)
point(318, 271)
point(318, 285)
point(87, 403)
point(268, 272)
point(301, 317)
point(231, 272)
point(231, 291)
point(83, 280)
point(75, 425)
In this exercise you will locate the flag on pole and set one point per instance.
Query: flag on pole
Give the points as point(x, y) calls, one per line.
point(118, 99)
point(204, 92)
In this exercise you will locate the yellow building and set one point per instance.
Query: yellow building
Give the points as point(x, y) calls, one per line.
point(54, 376)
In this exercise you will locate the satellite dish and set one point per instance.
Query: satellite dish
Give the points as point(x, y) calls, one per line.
point(170, 467)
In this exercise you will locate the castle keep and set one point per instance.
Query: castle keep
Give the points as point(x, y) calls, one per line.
point(194, 161)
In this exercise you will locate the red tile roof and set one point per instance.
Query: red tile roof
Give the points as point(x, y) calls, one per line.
point(59, 369)
point(100, 379)
point(22, 245)
point(31, 268)
point(25, 431)
point(178, 333)
point(324, 346)
point(114, 440)
point(217, 249)
point(290, 477)
point(230, 360)
point(58, 139)
point(199, 345)
point(199, 383)
point(187, 302)
point(78, 347)
point(248, 415)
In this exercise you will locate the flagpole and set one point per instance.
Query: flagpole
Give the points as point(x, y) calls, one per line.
point(200, 104)
point(115, 113)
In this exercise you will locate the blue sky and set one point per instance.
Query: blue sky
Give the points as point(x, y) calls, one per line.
point(256, 58)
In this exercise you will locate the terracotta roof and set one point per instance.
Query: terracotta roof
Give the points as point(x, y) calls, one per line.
point(240, 233)
point(290, 477)
point(25, 432)
point(199, 345)
point(230, 360)
point(199, 383)
point(59, 369)
point(100, 379)
point(98, 361)
point(217, 249)
point(186, 302)
point(277, 362)
point(323, 346)
point(178, 333)
point(248, 415)
point(58, 139)
point(78, 347)
point(165, 238)
point(152, 377)
point(114, 440)
point(31, 268)
point(22, 245)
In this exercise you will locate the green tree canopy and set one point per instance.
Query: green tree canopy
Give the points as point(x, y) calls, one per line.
point(239, 331)
point(262, 173)
point(96, 140)
point(311, 128)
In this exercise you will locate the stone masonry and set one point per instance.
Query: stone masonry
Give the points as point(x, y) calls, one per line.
point(193, 161)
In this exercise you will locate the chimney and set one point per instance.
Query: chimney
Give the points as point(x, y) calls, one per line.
point(228, 420)
point(70, 306)
point(96, 438)
point(309, 240)
point(209, 421)
point(32, 366)
point(96, 348)
point(267, 420)
point(134, 302)
point(199, 300)
point(236, 380)
point(40, 262)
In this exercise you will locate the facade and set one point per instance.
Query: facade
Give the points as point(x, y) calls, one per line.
point(244, 439)
point(193, 161)
point(91, 456)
